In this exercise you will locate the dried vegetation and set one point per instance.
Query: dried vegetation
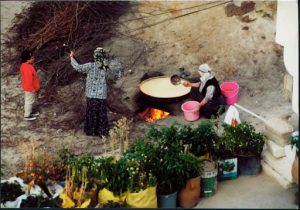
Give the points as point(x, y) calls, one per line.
point(52, 28)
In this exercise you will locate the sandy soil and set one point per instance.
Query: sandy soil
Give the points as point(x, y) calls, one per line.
point(236, 50)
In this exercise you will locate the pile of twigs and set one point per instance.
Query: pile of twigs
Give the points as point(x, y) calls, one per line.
point(52, 28)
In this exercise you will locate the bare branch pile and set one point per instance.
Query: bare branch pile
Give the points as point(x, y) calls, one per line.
point(51, 29)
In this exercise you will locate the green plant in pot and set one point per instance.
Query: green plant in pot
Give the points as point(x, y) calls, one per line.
point(202, 142)
point(74, 193)
point(206, 133)
point(249, 146)
point(189, 195)
point(93, 172)
point(113, 177)
point(140, 160)
point(169, 169)
point(225, 152)
point(202, 139)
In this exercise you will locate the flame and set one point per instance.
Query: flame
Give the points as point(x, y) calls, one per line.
point(151, 114)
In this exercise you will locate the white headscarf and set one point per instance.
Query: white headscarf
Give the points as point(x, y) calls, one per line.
point(205, 72)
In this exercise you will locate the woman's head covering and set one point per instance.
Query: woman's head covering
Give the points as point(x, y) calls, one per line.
point(204, 68)
point(26, 55)
point(205, 72)
point(99, 56)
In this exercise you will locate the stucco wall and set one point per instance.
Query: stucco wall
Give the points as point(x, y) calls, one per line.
point(287, 35)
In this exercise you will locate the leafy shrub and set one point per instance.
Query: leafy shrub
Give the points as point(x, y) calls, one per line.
point(169, 169)
point(192, 166)
point(139, 161)
point(204, 138)
point(249, 142)
point(240, 140)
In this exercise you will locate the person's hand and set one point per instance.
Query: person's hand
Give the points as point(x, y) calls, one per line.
point(71, 54)
point(198, 108)
point(186, 84)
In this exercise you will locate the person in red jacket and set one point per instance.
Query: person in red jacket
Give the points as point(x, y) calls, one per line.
point(30, 84)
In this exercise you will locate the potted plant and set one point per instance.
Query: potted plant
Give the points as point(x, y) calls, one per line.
point(74, 193)
point(189, 195)
point(169, 168)
point(294, 141)
point(88, 162)
point(209, 178)
point(202, 141)
point(113, 177)
point(225, 150)
point(88, 174)
point(140, 160)
point(248, 148)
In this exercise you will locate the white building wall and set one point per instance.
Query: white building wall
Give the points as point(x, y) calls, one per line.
point(287, 35)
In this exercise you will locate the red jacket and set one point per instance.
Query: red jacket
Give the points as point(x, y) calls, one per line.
point(29, 79)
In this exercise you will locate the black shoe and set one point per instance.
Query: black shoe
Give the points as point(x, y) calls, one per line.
point(30, 118)
point(35, 114)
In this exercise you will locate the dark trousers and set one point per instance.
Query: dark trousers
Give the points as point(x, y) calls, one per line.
point(212, 108)
point(96, 121)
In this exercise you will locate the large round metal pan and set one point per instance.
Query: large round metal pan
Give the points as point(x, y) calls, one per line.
point(162, 88)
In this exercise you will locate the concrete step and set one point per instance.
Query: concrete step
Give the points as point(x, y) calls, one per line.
point(276, 150)
point(281, 165)
point(278, 130)
point(281, 180)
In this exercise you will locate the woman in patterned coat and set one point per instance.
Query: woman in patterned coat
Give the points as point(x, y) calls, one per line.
point(96, 121)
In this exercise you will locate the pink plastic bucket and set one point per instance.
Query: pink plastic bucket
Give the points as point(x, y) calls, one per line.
point(231, 92)
point(189, 110)
point(230, 100)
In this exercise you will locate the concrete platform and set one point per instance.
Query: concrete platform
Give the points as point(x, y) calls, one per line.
point(260, 191)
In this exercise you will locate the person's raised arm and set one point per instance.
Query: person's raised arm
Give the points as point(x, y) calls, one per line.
point(83, 68)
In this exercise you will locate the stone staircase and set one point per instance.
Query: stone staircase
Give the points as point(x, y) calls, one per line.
point(278, 156)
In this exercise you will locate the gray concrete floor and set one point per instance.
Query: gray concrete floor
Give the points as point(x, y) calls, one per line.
point(260, 191)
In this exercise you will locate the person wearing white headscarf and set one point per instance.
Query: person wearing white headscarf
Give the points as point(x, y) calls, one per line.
point(96, 120)
point(207, 91)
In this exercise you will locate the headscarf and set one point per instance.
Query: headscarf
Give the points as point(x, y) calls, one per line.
point(205, 72)
point(99, 56)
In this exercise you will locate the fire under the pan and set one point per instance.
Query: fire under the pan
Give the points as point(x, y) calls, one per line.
point(152, 114)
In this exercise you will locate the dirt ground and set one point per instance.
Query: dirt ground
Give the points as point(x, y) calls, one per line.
point(238, 48)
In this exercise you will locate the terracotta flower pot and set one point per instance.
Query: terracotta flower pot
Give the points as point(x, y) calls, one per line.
point(189, 196)
point(295, 170)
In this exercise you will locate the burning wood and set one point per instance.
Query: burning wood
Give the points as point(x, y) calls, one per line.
point(152, 115)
